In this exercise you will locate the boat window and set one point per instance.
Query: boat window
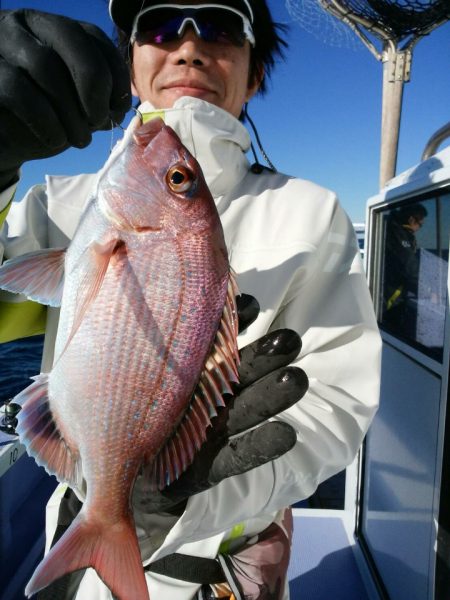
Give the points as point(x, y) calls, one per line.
point(412, 271)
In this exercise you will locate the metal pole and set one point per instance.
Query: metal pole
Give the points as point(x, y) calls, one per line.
point(394, 74)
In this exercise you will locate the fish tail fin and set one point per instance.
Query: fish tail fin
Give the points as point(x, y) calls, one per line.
point(112, 550)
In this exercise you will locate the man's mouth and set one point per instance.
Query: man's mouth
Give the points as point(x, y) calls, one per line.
point(190, 86)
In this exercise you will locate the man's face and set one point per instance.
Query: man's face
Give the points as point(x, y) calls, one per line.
point(213, 71)
point(415, 223)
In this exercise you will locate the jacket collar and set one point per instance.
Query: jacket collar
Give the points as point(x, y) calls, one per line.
point(214, 137)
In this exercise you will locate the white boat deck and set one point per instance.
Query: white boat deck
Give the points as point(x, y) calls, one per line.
point(326, 564)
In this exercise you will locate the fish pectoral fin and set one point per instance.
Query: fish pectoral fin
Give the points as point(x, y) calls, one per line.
point(39, 434)
point(219, 374)
point(38, 275)
point(92, 280)
point(112, 551)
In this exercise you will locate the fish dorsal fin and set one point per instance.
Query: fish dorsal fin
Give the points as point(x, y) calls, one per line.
point(39, 434)
point(219, 374)
point(38, 275)
point(92, 281)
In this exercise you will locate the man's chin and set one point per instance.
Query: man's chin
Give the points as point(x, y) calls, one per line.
point(174, 94)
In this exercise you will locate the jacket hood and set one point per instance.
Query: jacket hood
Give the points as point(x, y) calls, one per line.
point(215, 138)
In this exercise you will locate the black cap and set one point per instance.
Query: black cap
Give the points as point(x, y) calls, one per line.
point(123, 12)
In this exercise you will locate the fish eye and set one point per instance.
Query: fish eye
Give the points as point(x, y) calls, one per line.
point(179, 179)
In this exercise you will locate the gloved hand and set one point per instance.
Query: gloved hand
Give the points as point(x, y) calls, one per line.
point(268, 386)
point(60, 80)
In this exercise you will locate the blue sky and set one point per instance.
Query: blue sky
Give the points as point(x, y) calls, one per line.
point(320, 119)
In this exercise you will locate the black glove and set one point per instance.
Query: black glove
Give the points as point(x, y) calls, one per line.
point(267, 387)
point(60, 80)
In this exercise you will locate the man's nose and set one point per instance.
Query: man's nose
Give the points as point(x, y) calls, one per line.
point(191, 49)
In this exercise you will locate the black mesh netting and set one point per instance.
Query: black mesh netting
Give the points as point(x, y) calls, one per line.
point(401, 17)
point(396, 18)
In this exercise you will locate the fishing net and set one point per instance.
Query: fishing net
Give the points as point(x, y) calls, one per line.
point(311, 17)
point(399, 17)
point(385, 18)
point(399, 24)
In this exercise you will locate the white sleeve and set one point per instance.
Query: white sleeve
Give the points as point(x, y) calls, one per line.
point(24, 229)
point(26, 226)
point(6, 196)
point(341, 356)
point(5, 204)
point(332, 309)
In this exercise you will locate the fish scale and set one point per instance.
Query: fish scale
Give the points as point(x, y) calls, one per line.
point(122, 389)
point(147, 314)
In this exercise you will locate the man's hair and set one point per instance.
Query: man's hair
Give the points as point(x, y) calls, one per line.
point(418, 211)
point(269, 44)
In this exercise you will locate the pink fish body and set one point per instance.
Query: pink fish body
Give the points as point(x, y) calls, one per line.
point(146, 283)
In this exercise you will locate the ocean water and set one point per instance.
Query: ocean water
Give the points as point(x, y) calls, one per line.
point(19, 360)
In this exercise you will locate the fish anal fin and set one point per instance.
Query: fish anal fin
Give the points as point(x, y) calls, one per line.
point(39, 434)
point(38, 275)
point(113, 551)
point(217, 378)
point(178, 453)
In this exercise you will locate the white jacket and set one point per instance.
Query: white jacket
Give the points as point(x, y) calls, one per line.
point(293, 248)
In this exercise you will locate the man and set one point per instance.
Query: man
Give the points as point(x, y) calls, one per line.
point(289, 242)
point(401, 269)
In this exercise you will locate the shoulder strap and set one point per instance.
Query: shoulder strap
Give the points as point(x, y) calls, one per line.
point(188, 568)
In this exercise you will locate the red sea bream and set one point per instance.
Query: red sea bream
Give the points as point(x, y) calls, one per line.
point(146, 302)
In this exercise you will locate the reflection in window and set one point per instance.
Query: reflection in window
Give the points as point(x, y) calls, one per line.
point(413, 283)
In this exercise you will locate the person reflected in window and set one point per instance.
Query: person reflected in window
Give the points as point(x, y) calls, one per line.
point(401, 269)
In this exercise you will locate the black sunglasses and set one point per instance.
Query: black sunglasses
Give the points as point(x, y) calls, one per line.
point(212, 22)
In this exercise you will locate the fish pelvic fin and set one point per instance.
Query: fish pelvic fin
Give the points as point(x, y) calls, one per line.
point(40, 435)
point(217, 377)
point(112, 550)
point(38, 275)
